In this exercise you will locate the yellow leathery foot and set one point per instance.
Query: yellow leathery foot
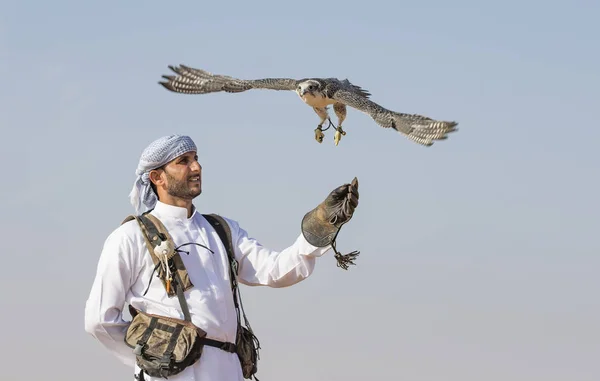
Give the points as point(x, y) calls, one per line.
point(338, 135)
point(319, 135)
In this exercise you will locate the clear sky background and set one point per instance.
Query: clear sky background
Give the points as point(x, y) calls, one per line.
point(479, 255)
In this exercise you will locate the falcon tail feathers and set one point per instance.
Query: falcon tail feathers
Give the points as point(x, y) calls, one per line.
point(422, 130)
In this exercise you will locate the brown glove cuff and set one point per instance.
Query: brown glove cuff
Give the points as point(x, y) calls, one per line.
point(316, 228)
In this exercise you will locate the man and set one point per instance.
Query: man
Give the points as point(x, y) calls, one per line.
point(168, 179)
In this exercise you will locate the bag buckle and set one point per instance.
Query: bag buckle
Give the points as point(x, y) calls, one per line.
point(138, 349)
point(228, 347)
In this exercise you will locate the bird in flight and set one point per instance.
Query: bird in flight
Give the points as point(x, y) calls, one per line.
point(318, 93)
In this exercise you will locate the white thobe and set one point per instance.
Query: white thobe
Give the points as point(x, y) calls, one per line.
point(125, 268)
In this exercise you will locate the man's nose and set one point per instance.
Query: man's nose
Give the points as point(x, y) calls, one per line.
point(196, 167)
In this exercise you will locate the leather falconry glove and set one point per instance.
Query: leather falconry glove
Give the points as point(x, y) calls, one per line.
point(321, 225)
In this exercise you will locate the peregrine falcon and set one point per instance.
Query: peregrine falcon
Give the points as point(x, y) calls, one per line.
point(318, 93)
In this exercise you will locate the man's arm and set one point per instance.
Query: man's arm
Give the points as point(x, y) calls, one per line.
point(262, 266)
point(259, 265)
point(103, 309)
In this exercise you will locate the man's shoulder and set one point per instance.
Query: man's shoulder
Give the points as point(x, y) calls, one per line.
point(128, 229)
point(125, 242)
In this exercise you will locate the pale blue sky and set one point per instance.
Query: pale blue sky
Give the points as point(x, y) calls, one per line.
point(480, 255)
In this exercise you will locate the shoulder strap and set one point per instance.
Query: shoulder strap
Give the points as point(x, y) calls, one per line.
point(224, 232)
point(155, 234)
point(222, 228)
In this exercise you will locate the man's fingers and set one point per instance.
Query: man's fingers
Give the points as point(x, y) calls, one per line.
point(350, 203)
point(348, 209)
point(340, 192)
point(347, 193)
point(353, 186)
point(352, 199)
point(353, 194)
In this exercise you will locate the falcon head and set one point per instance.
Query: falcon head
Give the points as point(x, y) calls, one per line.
point(309, 86)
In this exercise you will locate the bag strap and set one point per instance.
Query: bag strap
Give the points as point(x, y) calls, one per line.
point(155, 234)
point(223, 230)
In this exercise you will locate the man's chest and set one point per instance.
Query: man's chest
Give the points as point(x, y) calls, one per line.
point(205, 262)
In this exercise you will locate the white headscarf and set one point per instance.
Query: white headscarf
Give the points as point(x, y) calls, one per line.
point(158, 153)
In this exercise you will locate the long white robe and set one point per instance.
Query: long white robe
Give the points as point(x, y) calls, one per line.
point(125, 267)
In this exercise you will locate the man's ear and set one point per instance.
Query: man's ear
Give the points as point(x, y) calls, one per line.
point(155, 177)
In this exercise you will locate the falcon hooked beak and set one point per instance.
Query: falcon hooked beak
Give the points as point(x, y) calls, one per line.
point(308, 87)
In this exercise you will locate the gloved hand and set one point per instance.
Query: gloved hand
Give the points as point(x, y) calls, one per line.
point(321, 225)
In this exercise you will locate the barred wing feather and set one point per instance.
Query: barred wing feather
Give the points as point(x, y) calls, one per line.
point(197, 81)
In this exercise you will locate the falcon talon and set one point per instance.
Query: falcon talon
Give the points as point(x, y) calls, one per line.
point(318, 93)
point(337, 137)
point(319, 135)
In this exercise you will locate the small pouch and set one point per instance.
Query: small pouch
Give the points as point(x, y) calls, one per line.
point(163, 346)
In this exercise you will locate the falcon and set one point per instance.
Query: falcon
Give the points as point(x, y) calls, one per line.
point(318, 93)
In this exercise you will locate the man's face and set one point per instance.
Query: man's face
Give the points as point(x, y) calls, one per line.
point(183, 177)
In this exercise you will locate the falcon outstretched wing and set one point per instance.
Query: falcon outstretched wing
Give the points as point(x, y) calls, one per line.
point(418, 128)
point(196, 81)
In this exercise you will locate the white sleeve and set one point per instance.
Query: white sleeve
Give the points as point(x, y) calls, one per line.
point(262, 266)
point(103, 309)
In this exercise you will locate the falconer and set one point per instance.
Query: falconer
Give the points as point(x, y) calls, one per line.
point(169, 178)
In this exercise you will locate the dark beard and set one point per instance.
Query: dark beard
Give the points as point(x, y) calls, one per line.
point(180, 189)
